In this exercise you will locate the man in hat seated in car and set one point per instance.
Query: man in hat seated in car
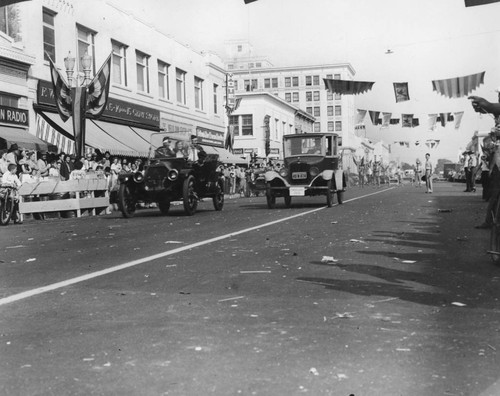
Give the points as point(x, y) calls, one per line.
point(166, 149)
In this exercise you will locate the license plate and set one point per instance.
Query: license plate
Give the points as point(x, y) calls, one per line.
point(297, 191)
point(299, 175)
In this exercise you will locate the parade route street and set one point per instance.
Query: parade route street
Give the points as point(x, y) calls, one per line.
point(383, 295)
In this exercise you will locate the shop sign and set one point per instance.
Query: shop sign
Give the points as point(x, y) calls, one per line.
point(209, 136)
point(115, 109)
point(238, 151)
point(11, 115)
point(247, 151)
point(274, 151)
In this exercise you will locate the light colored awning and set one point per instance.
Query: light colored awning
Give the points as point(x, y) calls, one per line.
point(23, 139)
point(104, 136)
point(225, 156)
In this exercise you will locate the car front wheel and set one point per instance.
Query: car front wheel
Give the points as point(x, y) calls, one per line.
point(190, 199)
point(218, 198)
point(126, 201)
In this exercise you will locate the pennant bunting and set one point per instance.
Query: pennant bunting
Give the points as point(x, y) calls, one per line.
point(432, 122)
point(249, 1)
point(395, 121)
point(458, 119)
point(450, 117)
point(459, 86)
point(347, 87)
point(360, 116)
point(407, 120)
point(386, 119)
point(374, 116)
point(417, 143)
point(62, 93)
point(415, 122)
point(472, 3)
point(443, 117)
point(401, 92)
point(98, 90)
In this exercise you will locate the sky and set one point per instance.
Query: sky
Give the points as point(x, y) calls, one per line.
point(429, 40)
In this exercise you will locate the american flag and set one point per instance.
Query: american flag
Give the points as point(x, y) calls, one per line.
point(98, 90)
point(347, 87)
point(62, 93)
point(458, 87)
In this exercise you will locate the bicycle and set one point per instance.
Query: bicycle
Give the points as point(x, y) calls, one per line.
point(8, 205)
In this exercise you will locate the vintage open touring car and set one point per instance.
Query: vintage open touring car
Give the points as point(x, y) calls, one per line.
point(178, 169)
point(312, 166)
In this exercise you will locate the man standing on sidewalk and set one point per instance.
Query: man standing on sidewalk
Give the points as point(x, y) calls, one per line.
point(428, 173)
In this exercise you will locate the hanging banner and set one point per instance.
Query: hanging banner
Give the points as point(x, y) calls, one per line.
point(472, 3)
point(407, 120)
point(401, 92)
point(415, 122)
point(386, 119)
point(458, 119)
point(374, 116)
point(458, 87)
point(395, 121)
point(432, 121)
point(443, 117)
point(360, 116)
point(347, 87)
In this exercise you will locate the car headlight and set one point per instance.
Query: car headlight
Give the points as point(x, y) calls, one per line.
point(283, 172)
point(173, 174)
point(138, 177)
point(314, 171)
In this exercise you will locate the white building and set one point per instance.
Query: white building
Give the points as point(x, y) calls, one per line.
point(260, 122)
point(157, 82)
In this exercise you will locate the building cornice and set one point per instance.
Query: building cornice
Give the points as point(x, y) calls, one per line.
point(293, 68)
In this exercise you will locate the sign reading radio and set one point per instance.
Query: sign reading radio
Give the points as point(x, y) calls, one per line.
point(117, 111)
point(11, 115)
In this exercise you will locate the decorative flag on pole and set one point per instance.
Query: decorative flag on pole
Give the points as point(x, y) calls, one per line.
point(401, 92)
point(458, 87)
point(386, 119)
point(374, 116)
point(347, 87)
point(407, 120)
point(432, 122)
point(472, 3)
point(458, 119)
point(360, 116)
point(62, 93)
point(98, 90)
point(229, 143)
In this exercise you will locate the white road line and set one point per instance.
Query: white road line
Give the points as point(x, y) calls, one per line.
point(83, 278)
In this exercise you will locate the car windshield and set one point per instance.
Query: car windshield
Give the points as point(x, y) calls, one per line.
point(303, 145)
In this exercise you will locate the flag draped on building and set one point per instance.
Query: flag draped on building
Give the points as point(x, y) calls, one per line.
point(347, 87)
point(472, 3)
point(98, 90)
point(62, 93)
point(401, 92)
point(458, 87)
point(458, 118)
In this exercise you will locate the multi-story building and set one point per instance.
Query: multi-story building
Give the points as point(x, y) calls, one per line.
point(301, 86)
point(156, 82)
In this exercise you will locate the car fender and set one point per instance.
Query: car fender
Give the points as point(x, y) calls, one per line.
point(273, 175)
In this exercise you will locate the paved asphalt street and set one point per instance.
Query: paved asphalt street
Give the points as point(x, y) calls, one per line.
point(384, 295)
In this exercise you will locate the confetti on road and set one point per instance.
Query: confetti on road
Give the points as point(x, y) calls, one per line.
point(173, 242)
point(15, 247)
point(328, 259)
point(30, 259)
point(357, 240)
point(459, 304)
point(313, 371)
point(255, 272)
point(231, 298)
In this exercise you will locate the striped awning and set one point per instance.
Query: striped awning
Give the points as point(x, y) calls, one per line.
point(458, 87)
point(347, 87)
point(121, 140)
point(45, 132)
